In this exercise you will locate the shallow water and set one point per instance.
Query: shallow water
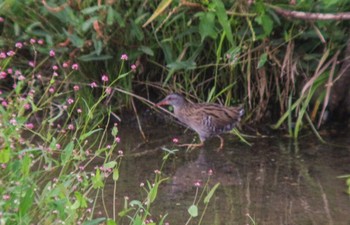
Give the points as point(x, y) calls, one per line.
point(275, 181)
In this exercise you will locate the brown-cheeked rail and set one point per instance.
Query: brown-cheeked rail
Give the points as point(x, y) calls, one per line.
point(207, 119)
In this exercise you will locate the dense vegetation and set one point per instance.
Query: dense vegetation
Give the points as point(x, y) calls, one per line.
point(62, 62)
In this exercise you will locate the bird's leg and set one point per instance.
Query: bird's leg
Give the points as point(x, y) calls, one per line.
point(221, 142)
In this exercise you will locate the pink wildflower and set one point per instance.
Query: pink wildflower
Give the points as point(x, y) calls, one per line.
point(3, 75)
point(124, 57)
point(70, 127)
point(6, 197)
point(13, 121)
point(58, 146)
point(75, 66)
point(29, 126)
point(175, 140)
point(93, 85)
point(4, 103)
point(117, 139)
point(51, 90)
point(197, 184)
point(10, 53)
point(79, 110)
point(40, 41)
point(70, 101)
point(2, 19)
point(3, 55)
point(52, 53)
point(104, 78)
point(21, 77)
point(133, 68)
point(108, 90)
point(19, 45)
point(31, 63)
point(26, 106)
point(54, 67)
point(76, 87)
point(32, 41)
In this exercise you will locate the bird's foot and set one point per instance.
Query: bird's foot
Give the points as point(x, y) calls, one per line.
point(192, 146)
point(221, 143)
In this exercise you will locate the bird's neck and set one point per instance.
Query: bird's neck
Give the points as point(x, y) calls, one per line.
point(182, 109)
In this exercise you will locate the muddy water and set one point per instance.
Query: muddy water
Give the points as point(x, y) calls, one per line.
point(275, 181)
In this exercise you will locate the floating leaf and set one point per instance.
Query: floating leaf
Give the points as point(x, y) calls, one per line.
point(193, 210)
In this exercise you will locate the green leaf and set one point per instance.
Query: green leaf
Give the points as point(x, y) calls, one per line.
point(115, 174)
point(114, 131)
point(187, 65)
point(152, 195)
point(160, 9)
point(92, 9)
point(88, 134)
point(138, 220)
point(124, 212)
point(80, 201)
point(93, 56)
point(75, 40)
point(5, 155)
point(210, 194)
point(88, 23)
point(97, 180)
point(146, 50)
point(111, 222)
point(223, 20)
point(110, 164)
point(207, 25)
point(94, 221)
point(262, 60)
point(67, 153)
point(26, 202)
point(193, 210)
point(25, 165)
point(267, 24)
point(119, 19)
point(110, 16)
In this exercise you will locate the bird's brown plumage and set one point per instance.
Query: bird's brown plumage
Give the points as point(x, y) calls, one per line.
point(204, 118)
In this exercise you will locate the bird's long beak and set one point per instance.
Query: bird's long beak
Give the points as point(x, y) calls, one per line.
point(163, 102)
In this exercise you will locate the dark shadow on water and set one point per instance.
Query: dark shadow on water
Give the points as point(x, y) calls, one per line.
point(276, 181)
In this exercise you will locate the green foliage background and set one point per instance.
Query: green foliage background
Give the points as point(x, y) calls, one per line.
point(232, 51)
